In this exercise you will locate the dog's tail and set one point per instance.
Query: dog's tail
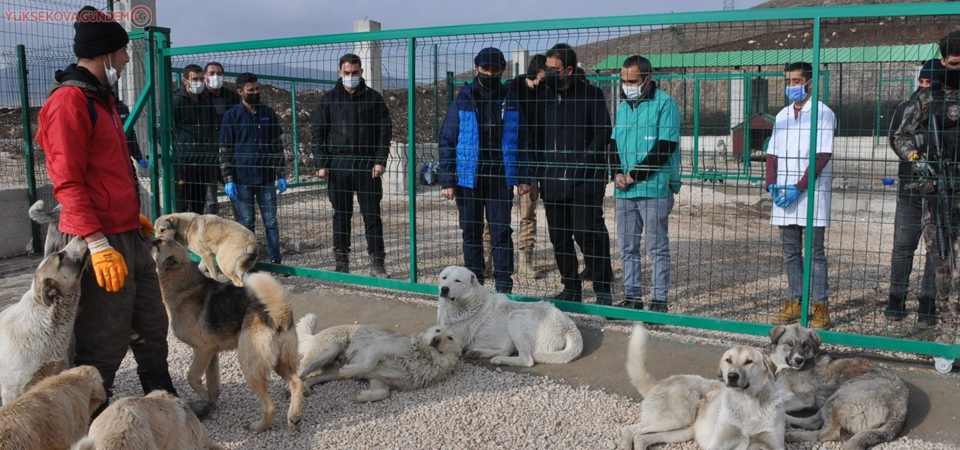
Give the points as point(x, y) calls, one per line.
point(272, 295)
point(571, 349)
point(306, 326)
point(885, 423)
point(39, 215)
point(637, 361)
point(87, 443)
point(246, 261)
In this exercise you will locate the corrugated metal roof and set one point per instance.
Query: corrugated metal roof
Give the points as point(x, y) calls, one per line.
point(888, 53)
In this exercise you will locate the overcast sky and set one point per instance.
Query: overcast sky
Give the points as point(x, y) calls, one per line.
point(197, 22)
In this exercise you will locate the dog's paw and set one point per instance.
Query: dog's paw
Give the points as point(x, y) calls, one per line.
point(472, 354)
point(258, 426)
point(371, 396)
point(793, 437)
point(294, 422)
point(499, 361)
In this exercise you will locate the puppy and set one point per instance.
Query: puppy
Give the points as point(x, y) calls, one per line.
point(494, 327)
point(851, 394)
point(210, 236)
point(744, 410)
point(51, 220)
point(35, 332)
point(158, 421)
point(54, 413)
point(387, 359)
point(214, 317)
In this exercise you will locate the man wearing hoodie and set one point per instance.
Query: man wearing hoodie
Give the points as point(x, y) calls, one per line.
point(195, 153)
point(482, 157)
point(89, 165)
point(350, 144)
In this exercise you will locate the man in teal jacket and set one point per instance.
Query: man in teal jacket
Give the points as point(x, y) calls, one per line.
point(647, 136)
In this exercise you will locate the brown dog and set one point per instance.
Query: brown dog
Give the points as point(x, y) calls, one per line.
point(53, 414)
point(210, 236)
point(158, 421)
point(214, 317)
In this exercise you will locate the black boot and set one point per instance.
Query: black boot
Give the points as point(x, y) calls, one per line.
point(343, 262)
point(927, 312)
point(151, 383)
point(896, 308)
point(377, 268)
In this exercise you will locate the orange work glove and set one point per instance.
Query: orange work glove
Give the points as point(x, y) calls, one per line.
point(146, 227)
point(108, 264)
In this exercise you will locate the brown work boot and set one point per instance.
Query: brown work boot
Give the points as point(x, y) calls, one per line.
point(790, 313)
point(821, 316)
point(526, 268)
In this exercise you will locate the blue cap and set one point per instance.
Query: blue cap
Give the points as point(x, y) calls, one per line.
point(490, 57)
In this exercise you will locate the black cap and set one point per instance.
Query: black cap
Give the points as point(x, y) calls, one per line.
point(490, 56)
point(97, 34)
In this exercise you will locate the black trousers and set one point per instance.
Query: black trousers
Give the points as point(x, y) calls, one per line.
point(908, 227)
point(197, 188)
point(580, 218)
point(345, 181)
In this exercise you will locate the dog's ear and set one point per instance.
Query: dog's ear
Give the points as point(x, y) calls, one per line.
point(172, 220)
point(770, 366)
point(720, 366)
point(775, 334)
point(48, 292)
point(473, 279)
point(817, 340)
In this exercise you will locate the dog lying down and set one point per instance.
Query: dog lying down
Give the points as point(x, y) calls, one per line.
point(158, 421)
point(387, 359)
point(492, 326)
point(743, 410)
point(850, 394)
point(53, 414)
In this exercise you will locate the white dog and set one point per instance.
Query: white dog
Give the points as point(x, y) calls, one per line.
point(744, 411)
point(492, 326)
point(35, 332)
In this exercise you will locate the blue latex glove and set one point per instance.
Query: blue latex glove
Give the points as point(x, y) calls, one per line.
point(281, 185)
point(144, 163)
point(790, 195)
point(772, 189)
point(231, 189)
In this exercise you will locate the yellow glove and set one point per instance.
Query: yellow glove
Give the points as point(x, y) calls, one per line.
point(109, 266)
point(146, 227)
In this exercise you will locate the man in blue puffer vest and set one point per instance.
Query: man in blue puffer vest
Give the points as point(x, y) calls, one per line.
point(482, 157)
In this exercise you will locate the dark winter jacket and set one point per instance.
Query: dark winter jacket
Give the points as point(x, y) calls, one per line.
point(347, 127)
point(195, 123)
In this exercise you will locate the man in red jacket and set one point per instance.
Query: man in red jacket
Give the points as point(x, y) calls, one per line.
point(88, 162)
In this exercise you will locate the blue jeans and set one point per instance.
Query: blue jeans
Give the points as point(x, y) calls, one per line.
point(266, 197)
point(491, 195)
point(634, 215)
point(791, 239)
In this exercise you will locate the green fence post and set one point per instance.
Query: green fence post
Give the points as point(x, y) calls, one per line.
point(28, 142)
point(812, 179)
point(296, 146)
point(411, 154)
point(696, 126)
point(166, 125)
point(153, 81)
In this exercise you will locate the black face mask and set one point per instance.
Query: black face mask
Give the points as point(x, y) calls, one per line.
point(488, 81)
point(252, 99)
point(951, 78)
point(552, 80)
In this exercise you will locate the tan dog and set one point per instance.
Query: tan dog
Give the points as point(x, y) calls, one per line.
point(209, 236)
point(386, 358)
point(214, 317)
point(53, 414)
point(745, 410)
point(35, 332)
point(158, 421)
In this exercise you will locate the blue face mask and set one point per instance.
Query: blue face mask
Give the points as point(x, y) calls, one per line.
point(796, 93)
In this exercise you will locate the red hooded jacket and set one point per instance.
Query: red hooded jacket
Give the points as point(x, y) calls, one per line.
point(89, 164)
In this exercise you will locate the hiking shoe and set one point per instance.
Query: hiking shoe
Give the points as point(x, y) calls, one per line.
point(569, 296)
point(896, 308)
point(821, 316)
point(658, 306)
point(790, 313)
point(632, 302)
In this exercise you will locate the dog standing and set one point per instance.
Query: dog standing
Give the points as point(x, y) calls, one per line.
point(492, 326)
point(744, 410)
point(213, 317)
point(386, 358)
point(210, 236)
point(158, 421)
point(35, 332)
point(850, 394)
point(51, 220)
point(53, 414)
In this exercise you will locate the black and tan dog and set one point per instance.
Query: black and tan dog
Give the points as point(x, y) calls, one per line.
point(213, 317)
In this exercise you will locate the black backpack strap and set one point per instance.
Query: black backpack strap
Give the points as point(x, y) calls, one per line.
point(93, 111)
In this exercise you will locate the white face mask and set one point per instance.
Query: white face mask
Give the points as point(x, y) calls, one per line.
point(216, 81)
point(195, 87)
point(109, 72)
point(351, 82)
point(632, 92)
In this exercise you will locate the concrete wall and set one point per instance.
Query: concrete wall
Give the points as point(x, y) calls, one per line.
point(14, 224)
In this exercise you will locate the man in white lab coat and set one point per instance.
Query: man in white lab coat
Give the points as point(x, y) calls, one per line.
point(788, 180)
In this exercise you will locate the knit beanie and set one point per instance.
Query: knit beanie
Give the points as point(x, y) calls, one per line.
point(97, 34)
point(931, 70)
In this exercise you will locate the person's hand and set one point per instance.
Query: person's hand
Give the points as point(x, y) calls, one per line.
point(377, 171)
point(448, 193)
point(620, 181)
point(143, 163)
point(772, 189)
point(146, 227)
point(789, 196)
point(231, 190)
point(523, 189)
point(108, 265)
point(322, 174)
point(281, 185)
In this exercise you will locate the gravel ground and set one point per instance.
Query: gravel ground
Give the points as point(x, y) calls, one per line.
point(477, 407)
